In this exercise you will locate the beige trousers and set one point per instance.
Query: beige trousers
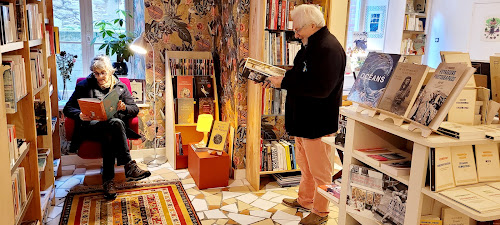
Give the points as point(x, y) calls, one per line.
point(313, 158)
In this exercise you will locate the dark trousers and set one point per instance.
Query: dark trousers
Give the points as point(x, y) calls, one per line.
point(113, 138)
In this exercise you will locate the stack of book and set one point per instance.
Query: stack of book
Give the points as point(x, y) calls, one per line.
point(278, 156)
point(16, 146)
point(19, 189)
point(287, 179)
point(395, 161)
point(482, 199)
point(278, 14)
point(273, 101)
point(13, 72)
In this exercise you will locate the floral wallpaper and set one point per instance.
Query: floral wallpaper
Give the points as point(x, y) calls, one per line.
point(219, 26)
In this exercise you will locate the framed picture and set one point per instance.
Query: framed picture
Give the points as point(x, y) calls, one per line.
point(138, 87)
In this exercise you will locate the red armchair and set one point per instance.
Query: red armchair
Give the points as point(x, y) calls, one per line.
point(92, 149)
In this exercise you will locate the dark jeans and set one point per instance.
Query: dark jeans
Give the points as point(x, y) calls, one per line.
point(113, 138)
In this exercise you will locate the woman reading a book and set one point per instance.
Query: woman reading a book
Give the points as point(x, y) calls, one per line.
point(314, 93)
point(113, 132)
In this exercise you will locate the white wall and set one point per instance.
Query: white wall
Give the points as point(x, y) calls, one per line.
point(394, 32)
point(451, 22)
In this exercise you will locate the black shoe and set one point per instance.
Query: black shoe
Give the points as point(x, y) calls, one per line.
point(109, 189)
point(134, 173)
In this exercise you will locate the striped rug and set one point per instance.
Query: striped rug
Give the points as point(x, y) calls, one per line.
point(158, 203)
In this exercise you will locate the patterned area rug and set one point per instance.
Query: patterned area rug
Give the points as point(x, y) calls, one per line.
point(138, 203)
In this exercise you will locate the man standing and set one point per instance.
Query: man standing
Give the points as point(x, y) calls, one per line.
point(314, 94)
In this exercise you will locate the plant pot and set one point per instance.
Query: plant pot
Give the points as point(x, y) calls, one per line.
point(121, 68)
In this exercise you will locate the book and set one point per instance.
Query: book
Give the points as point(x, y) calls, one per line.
point(430, 220)
point(458, 57)
point(218, 135)
point(439, 94)
point(373, 77)
point(100, 110)
point(185, 110)
point(462, 111)
point(471, 200)
point(495, 185)
point(397, 168)
point(440, 169)
point(9, 89)
point(203, 87)
point(464, 167)
point(459, 131)
point(258, 71)
point(184, 86)
point(454, 217)
point(487, 192)
point(206, 106)
point(403, 87)
point(331, 189)
point(40, 117)
point(487, 162)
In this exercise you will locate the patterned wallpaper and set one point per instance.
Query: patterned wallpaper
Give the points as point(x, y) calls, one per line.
point(219, 26)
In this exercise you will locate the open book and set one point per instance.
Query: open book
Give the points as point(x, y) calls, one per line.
point(101, 110)
point(258, 71)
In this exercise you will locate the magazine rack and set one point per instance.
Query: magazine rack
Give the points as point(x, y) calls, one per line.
point(371, 132)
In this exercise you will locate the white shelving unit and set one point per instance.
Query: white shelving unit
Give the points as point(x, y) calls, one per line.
point(364, 131)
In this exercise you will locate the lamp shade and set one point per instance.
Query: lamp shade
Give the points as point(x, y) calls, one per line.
point(204, 122)
point(139, 45)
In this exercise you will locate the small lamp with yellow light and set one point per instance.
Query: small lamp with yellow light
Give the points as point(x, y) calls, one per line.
point(204, 125)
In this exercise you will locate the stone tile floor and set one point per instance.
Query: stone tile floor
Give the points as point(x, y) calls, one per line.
point(235, 204)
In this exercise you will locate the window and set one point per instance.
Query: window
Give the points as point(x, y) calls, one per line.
point(75, 20)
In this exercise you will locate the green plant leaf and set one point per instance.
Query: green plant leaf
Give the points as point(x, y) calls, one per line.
point(102, 46)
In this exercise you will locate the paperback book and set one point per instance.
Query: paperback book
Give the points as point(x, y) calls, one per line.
point(373, 77)
point(258, 71)
point(100, 110)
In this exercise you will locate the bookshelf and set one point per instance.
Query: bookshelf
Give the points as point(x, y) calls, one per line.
point(257, 43)
point(420, 200)
point(188, 130)
point(25, 118)
point(415, 33)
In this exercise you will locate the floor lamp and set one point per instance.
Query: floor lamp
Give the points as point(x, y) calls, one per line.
point(139, 46)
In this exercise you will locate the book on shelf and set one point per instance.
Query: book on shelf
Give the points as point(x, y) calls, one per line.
point(494, 184)
point(403, 87)
point(206, 106)
point(471, 200)
point(487, 162)
point(184, 86)
point(178, 144)
point(430, 220)
point(191, 67)
point(100, 110)
point(185, 110)
point(487, 192)
point(331, 189)
point(373, 77)
point(258, 71)
point(459, 131)
point(218, 135)
point(440, 169)
point(340, 137)
point(463, 110)
point(204, 87)
point(42, 162)
point(9, 86)
point(464, 166)
point(379, 156)
point(40, 117)
point(397, 168)
point(454, 217)
point(441, 91)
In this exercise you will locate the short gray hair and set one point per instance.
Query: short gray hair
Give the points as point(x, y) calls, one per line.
point(102, 62)
point(306, 14)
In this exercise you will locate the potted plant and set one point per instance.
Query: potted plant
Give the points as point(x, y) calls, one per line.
point(115, 40)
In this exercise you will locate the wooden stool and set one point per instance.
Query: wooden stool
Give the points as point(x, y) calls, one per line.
point(208, 171)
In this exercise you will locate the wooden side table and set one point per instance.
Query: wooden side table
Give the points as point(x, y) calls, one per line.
point(208, 171)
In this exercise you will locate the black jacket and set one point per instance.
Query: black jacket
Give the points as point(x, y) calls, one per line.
point(314, 87)
point(85, 89)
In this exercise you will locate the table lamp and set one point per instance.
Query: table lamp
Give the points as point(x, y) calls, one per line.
point(204, 125)
point(139, 46)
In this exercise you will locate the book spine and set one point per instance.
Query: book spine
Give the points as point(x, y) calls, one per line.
point(432, 168)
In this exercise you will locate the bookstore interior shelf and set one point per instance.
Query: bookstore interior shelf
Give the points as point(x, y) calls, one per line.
point(402, 179)
point(328, 196)
point(24, 208)
point(21, 158)
point(45, 200)
point(362, 219)
point(280, 171)
point(487, 216)
point(34, 43)
point(36, 91)
point(434, 140)
point(11, 46)
point(331, 141)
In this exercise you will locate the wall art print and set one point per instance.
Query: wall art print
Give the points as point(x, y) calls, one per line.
point(375, 21)
point(491, 29)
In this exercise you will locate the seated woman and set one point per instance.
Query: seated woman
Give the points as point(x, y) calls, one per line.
point(112, 133)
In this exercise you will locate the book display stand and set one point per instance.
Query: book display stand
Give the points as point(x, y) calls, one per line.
point(384, 134)
point(398, 120)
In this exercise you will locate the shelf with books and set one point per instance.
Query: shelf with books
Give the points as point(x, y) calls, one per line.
point(11, 47)
point(280, 171)
point(328, 196)
point(37, 90)
point(34, 43)
point(24, 209)
point(48, 194)
point(21, 158)
point(488, 216)
point(402, 179)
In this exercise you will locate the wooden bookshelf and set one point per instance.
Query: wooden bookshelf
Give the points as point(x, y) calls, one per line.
point(188, 130)
point(411, 33)
point(257, 28)
point(364, 131)
point(24, 121)
point(328, 196)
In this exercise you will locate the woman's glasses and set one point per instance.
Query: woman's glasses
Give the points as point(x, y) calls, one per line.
point(103, 73)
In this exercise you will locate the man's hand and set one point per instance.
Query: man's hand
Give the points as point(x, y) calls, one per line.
point(275, 81)
point(84, 117)
point(121, 106)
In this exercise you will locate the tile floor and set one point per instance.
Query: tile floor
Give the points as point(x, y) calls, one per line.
point(235, 204)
